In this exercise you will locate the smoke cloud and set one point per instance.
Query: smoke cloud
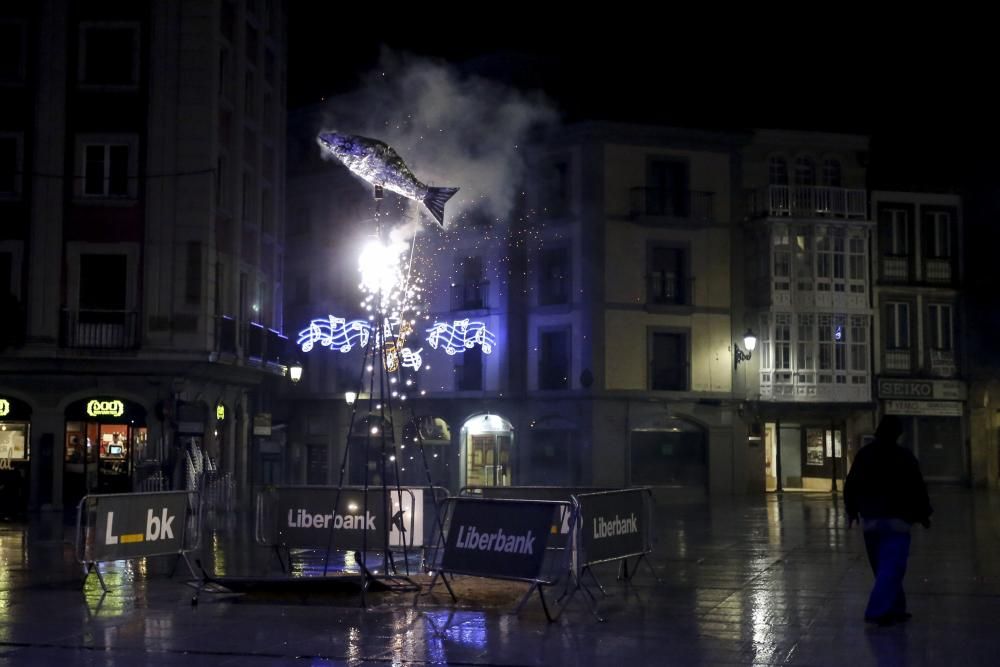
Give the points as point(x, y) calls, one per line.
point(451, 129)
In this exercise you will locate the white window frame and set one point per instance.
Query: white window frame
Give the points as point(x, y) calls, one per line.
point(832, 165)
point(858, 344)
point(941, 227)
point(18, 138)
point(83, 141)
point(772, 170)
point(857, 259)
point(899, 233)
point(893, 328)
point(944, 325)
point(81, 71)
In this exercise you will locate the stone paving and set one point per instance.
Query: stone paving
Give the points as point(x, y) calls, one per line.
point(771, 580)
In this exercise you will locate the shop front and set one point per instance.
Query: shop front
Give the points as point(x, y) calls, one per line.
point(105, 439)
point(932, 413)
point(15, 457)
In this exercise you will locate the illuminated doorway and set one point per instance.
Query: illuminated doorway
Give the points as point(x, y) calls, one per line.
point(487, 445)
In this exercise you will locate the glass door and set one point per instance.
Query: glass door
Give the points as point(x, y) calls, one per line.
point(488, 460)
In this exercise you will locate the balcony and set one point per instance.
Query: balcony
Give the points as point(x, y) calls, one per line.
point(938, 271)
point(657, 205)
point(943, 363)
point(809, 201)
point(470, 295)
point(896, 269)
point(899, 361)
point(100, 329)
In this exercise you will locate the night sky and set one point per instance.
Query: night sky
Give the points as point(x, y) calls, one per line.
point(926, 100)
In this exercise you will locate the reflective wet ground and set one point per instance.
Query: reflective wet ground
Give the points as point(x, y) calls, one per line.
point(770, 580)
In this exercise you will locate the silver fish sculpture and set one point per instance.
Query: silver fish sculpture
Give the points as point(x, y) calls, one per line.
point(380, 165)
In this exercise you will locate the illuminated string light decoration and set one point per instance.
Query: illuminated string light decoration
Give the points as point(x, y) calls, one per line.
point(458, 336)
point(335, 333)
point(338, 334)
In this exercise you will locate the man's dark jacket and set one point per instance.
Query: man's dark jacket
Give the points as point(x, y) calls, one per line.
point(885, 483)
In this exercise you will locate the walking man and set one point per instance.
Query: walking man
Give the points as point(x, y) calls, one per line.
point(885, 488)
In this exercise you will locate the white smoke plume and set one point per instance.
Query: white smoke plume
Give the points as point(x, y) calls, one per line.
point(451, 129)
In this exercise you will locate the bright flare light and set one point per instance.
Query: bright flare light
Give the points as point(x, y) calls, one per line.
point(381, 269)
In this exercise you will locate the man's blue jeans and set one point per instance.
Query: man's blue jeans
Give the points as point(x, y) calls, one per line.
point(888, 544)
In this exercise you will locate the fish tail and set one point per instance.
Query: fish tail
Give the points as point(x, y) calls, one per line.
point(436, 199)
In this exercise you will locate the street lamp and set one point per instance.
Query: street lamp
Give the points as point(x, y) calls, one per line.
point(295, 372)
point(750, 343)
point(350, 397)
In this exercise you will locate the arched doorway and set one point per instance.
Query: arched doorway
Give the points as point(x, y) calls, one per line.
point(487, 451)
point(672, 452)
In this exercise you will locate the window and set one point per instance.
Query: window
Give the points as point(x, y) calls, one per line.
point(803, 259)
point(939, 228)
point(553, 277)
point(554, 359)
point(764, 344)
point(782, 258)
point(669, 364)
point(192, 284)
point(470, 293)
point(249, 199)
point(225, 73)
point(825, 331)
point(12, 52)
point(667, 188)
point(667, 275)
point(824, 259)
point(103, 280)
point(782, 341)
point(805, 170)
point(250, 96)
point(221, 183)
point(896, 230)
point(469, 370)
point(107, 169)
point(838, 258)
point(556, 184)
point(777, 171)
point(898, 326)
point(805, 359)
point(10, 165)
point(859, 343)
point(109, 54)
point(856, 263)
point(831, 173)
point(939, 325)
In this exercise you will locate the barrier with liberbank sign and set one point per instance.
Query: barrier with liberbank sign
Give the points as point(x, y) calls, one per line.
point(123, 526)
point(302, 517)
point(612, 526)
point(501, 539)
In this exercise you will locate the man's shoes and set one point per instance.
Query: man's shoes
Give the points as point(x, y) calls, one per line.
point(885, 620)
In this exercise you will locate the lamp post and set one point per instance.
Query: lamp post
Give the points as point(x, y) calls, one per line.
point(750, 343)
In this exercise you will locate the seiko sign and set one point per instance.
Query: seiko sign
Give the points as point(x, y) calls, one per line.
point(112, 408)
point(921, 389)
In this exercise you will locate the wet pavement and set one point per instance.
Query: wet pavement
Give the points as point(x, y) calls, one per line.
point(776, 580)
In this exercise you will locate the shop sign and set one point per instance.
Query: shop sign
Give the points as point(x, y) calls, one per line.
point(136, 525)
point(924, 408)
point(4, 407)
point(262, 423)
point(942, 390)
point(220, 412)
point(113, 408)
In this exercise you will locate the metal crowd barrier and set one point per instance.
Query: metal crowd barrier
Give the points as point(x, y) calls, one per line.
point(126, 526)
point(300, 517)
point(502, 539)
point(613, 527)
